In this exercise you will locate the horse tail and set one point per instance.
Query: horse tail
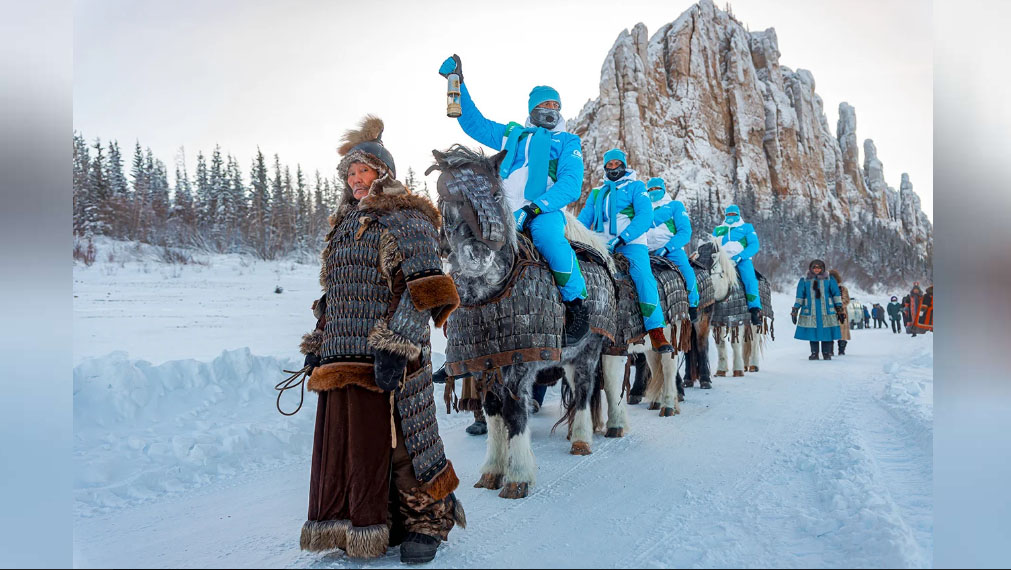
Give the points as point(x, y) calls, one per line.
point(568, 408)
point(596, 411)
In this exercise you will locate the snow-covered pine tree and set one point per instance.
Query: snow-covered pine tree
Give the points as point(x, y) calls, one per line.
point(202, 195)
point(318, 224)
point(278, 211)
point(238, 204)
point(120, 199)
point(83, 208)
point(218, 184)
point(290, 225)
point(183, 215)
point(99, 193)
point(160, 202)
point(259, 208)
point(302, 209)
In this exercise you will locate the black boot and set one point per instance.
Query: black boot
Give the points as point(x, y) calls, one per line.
point(418, 548)
point(842, 347)
point(439, 376)
point(480, 426)
point(577, 321)
point(756, 315)
point(826, 356)
point(814, 356)
point(693, 314)
point(641, 375)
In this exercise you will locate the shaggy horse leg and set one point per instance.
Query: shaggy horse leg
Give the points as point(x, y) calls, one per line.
point(614, 376)
point(721, 352)
point(736, 344)
point(700, 347)
point(496, 458)
point(581, 434)
point(522, 469)
point(664, 367)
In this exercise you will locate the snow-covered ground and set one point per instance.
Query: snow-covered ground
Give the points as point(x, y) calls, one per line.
point(182, 459)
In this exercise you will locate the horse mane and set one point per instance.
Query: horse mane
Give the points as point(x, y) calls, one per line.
point(728, 267)
point(576, 231)
point(458, 156)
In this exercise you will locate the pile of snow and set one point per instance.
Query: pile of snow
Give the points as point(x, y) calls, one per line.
point(141, 431)
point(909, 388)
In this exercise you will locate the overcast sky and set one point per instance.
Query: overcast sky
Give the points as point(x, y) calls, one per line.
point(291, 75)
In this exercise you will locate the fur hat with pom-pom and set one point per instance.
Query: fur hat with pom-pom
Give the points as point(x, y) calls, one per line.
point(365, 144)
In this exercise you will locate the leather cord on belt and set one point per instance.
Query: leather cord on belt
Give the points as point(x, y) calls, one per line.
point(297, 379)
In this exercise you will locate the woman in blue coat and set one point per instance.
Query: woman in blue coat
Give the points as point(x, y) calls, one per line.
point(818, 310)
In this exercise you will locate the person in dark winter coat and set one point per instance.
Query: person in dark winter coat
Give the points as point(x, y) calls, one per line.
point(895, 314)
point(911, 306)
point(844, 325)
point(878, 314)
point(867, 318)
point(379, 474)
point(818, 310)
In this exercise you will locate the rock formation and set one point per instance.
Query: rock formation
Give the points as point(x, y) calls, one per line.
point(706, 105)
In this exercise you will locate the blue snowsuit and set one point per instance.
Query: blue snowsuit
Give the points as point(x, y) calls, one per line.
point(671, 232)
point(562, 168)
point(817, 320)
point(623, 209)
point(740, 242)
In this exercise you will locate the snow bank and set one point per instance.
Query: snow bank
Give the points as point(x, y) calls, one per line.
point(909, 389)
point(141, 431)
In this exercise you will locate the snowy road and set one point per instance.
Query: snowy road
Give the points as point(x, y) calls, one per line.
point(804, 464)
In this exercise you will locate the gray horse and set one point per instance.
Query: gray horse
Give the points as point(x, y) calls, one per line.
point(508, 330)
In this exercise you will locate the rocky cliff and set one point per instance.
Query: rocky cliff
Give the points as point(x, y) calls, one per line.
point(706, 105)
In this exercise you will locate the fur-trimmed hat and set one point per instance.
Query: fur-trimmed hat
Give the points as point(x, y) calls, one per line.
point(363, 144)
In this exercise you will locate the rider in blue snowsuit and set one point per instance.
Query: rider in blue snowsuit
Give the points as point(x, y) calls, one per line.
point(741, 243)
point(620, 211)
point(542, 173)
point(671, 232)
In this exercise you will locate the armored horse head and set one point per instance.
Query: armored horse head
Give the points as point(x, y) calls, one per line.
point(508, 330)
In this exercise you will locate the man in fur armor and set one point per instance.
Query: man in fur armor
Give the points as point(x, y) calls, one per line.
point(379, 475)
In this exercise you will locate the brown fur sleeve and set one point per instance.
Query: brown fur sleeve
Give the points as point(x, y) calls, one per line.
point(436, 293)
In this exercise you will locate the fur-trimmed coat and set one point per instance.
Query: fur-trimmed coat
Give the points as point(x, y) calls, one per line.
point(383, 282)
point(844, 327)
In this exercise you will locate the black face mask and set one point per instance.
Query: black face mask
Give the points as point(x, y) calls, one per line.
point(547, 118)
point(614, 174)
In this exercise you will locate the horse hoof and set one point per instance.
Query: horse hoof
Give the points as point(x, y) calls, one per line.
point(654, 406)
point(579, 448)
point(738, 373)
point(666, 412)
point(721, 373)
point(514, 491)
point(752, 369)
point(705, 385)
point(615, 432)
point(681, 398)
point(633, 400)
point(689, 383)
point(489, 481)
